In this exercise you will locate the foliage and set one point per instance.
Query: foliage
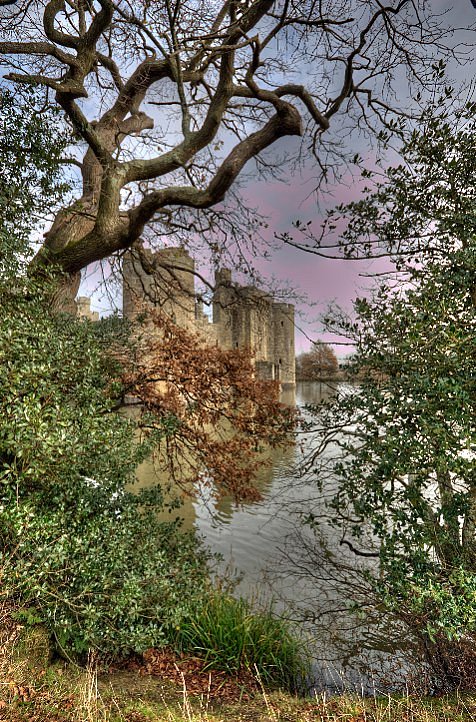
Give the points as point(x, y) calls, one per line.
point(90, 556)
point(410, 475)
point(217, 412)
point(29, 178)
point(405, 476)
point(79, 550)
point(231, 636)
point(318, 363)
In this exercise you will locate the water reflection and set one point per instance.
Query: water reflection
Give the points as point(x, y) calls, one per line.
point(246, 531)
point(313, 392)
point(282, 560)
point(152, 472)
point(252, 537)
point(248, 536)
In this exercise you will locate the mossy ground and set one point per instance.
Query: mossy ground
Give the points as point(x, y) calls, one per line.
point(128, 697)
point(33, 689)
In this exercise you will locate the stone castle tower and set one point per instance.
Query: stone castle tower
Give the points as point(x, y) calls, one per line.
point(83, 309)
point(243, 316)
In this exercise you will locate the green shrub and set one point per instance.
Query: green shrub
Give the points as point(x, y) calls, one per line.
point(404, 439)
point(79, 551)
point(231, 636)
point(89, 556)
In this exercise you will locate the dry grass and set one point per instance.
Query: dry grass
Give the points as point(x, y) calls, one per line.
point(67, 694)
point(33, 689)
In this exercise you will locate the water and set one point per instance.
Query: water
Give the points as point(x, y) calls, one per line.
point(278, 558)
point(251, 536)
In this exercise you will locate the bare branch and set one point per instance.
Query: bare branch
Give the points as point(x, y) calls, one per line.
point(349, 63)
point(229, 68)
point(52, 9)
point(38, 49)
point(285, 122)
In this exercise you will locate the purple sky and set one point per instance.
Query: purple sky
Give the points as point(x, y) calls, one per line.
point(321, 280)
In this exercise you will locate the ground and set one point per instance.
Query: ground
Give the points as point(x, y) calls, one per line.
point(163, 687)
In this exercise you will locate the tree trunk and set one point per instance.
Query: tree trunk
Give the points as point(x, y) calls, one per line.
point(63, 300)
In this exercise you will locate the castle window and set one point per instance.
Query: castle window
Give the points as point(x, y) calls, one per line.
point(282, 323)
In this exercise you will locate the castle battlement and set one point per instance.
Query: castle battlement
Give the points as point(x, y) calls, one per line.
point(243, 316)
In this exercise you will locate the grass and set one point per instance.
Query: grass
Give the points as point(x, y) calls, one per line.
point(65, 693)
point(35, 689)
point(231, 636)
point(158, 703)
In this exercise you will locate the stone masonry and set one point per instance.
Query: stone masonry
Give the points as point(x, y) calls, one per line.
point(243, 316)
point(83, 309)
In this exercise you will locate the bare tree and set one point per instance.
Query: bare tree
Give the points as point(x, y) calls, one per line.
point(169, 100)
point(318, 363)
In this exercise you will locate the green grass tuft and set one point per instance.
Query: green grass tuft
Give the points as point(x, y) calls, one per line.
point(229, 635)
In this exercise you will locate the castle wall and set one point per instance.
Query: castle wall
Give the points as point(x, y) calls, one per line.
point(224, 300)
point(243, 317)
point(259, 321)
point(83, 309)
point(284, 351)
point(204, 327)
point(165, 279)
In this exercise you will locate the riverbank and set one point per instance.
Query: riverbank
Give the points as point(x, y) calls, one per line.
point(161, 688)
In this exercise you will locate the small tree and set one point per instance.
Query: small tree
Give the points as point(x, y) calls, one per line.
point(406, 440)
point(318, 363)
point(216, 410)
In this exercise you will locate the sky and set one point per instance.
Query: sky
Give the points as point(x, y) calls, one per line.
point(320, 281)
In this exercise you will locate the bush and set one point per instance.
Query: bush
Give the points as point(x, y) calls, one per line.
point(405, 437)
point(231, 636)
point(88, 555)
point(79, 551)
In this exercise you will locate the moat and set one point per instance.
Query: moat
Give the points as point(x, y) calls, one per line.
point(258, 543)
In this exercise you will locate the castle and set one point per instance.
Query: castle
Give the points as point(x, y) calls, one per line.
point(243, 316)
